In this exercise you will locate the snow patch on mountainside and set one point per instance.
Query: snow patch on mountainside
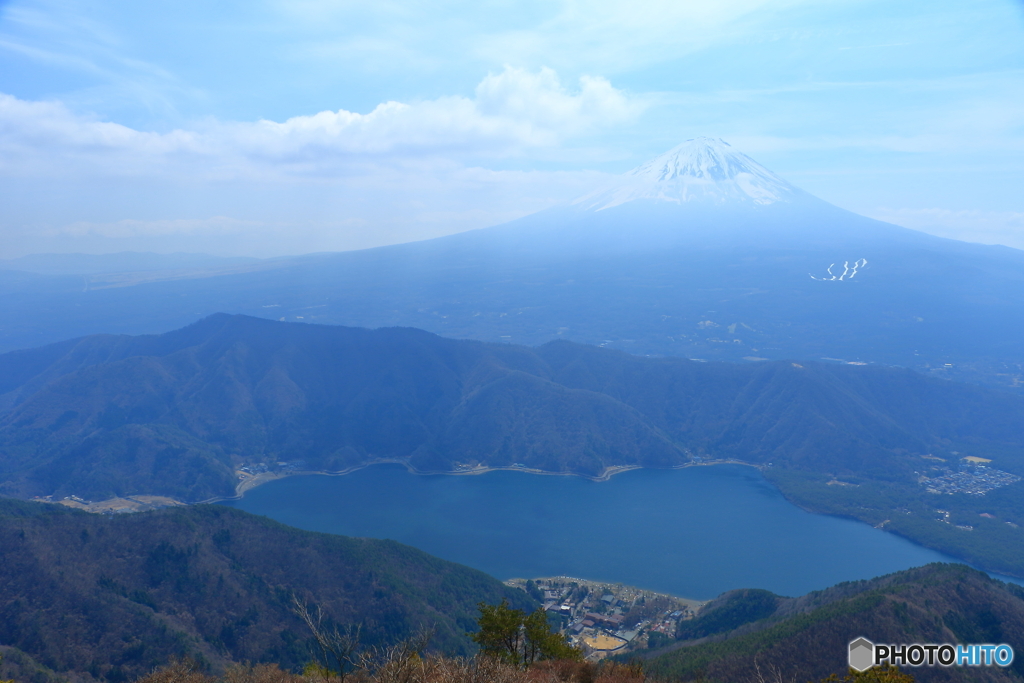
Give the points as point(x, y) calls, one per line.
point(849, 271)
point(699, 170)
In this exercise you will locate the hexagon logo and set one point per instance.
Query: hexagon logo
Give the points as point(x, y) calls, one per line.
point(862, 654)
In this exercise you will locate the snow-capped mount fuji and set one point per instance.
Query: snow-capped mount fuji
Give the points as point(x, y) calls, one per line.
point(701, 194)
point(699, 170)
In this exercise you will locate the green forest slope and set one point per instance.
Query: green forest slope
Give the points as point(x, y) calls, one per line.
point(807, 638)
point(110, 597)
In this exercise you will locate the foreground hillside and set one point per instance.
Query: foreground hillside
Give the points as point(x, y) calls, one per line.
point(88, 596)
point(806, 638)
point(177, 414)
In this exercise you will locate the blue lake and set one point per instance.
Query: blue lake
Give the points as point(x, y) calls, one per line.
point(694, 532)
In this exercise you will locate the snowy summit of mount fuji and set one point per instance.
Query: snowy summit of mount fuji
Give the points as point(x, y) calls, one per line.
point(706, 170)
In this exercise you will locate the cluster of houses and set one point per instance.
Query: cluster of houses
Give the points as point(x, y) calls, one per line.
point(972, 479)
point(604, 618)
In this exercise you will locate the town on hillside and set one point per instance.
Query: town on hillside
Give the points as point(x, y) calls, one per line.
point(606, 619)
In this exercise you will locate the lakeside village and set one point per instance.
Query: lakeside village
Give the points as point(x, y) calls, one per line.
point(609, 618)
point(973, 477)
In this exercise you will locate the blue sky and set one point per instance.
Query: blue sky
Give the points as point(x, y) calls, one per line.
point(270, 127)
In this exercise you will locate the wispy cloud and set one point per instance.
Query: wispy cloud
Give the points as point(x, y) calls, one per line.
point(134, 228)
point(616, 36)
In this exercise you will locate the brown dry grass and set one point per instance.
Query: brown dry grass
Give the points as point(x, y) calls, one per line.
point(415, 669)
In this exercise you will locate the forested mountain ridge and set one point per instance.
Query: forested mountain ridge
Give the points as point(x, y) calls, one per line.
point(158, 411)
point(806, 638)
point(174, 414)
point(110, 597)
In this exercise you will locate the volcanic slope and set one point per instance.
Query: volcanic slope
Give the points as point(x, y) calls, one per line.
point(176, 415)
point(701, 252)
point(110, 597)
point(745, 632)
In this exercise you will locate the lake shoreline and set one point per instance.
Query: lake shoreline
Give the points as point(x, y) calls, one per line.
point(258, 480)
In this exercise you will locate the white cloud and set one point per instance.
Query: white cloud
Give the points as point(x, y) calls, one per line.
point(985, 227)
point(513, 112)
point(540, 99)
point(47, 138)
